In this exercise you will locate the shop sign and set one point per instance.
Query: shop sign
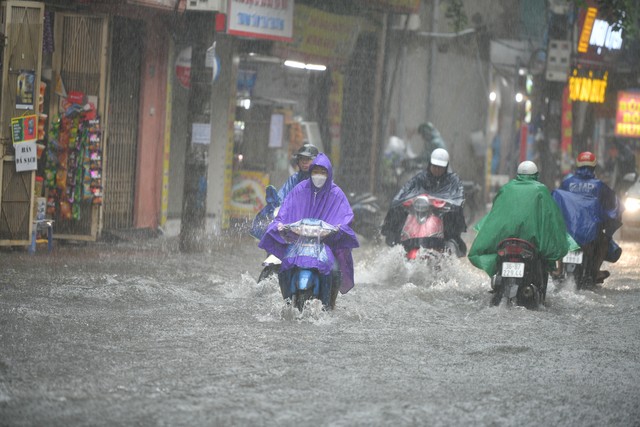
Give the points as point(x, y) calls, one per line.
point(321, 37)
point(587, 26)
point(393, 6)
point(598, 42)
point(628, 114)
point(587, 88)
point(23, 134)
point(262, 19)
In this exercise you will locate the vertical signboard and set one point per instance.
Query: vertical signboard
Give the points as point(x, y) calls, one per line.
point(566, 139)
point(628, 114)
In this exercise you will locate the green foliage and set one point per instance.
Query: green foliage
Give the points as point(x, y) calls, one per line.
point(455, 14)
point(622, 14)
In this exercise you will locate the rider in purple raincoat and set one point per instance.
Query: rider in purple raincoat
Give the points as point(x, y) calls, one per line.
point(327, 203)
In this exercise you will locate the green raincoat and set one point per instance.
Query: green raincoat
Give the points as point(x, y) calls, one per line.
point(523, 208)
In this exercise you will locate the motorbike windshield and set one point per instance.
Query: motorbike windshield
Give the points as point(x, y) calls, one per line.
point(306, 248)
point(449, 190)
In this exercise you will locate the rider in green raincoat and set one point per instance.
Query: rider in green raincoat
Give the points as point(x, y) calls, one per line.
point(523, 208)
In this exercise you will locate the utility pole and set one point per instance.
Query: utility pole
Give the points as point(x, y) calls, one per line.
point(200, 35)
point(432, 57)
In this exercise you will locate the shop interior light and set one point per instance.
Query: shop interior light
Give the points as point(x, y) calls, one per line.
point(519, 97)
point(294, 64)
point(303, 66)
point(315, 67)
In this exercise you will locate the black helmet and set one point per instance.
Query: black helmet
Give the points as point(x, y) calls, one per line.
point(307, 150)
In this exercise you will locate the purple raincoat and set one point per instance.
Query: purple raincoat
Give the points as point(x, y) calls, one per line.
point(328, 204)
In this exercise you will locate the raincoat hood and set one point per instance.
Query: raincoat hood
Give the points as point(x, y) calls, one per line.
point(322, 160)
point(523, 208)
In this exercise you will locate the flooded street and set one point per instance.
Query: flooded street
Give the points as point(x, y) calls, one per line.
point(137, 333)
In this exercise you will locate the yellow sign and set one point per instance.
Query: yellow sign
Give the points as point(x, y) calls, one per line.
point(587, 27)
point(321, 37)
point(588, 89)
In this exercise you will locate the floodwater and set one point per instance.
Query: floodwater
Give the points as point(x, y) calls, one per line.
point(137, 333)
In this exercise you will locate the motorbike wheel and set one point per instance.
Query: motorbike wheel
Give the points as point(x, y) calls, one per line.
point(529, 301)
point(300, 299)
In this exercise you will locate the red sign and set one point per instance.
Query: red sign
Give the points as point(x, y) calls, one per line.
point(628, 115)
point(566, 139)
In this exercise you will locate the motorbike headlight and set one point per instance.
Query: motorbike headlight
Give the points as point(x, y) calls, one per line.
point(421, 204)
point(632, 204)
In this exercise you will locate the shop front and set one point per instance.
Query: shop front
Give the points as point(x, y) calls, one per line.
point(288, 93)
point(94, 78)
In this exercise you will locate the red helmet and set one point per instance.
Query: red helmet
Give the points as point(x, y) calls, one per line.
point(586, 158)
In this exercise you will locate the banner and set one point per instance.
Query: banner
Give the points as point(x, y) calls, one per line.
point(321, 38)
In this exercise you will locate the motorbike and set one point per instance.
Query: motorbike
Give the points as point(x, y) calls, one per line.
point(585, 225)
point(472, 207)
point(574, 264)
point(312, 275)
point(521, 277)
point(422, 234)
point(366, 214)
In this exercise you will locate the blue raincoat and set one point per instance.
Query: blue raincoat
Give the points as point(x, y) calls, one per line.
point(328, 204)
point(588, 206)
point(293, 180)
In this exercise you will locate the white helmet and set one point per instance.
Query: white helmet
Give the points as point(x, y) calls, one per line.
point(527, 168)
point(440, 157)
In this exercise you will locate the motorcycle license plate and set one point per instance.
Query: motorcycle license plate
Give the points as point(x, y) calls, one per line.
point(512, 269)
point(574, 257)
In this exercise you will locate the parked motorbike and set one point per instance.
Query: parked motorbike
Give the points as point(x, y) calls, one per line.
point(521, 277)
point(366, 214)
point(422, 234)
point(308, 254)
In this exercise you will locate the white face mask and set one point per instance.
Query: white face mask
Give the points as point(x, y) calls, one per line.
point(318, 180)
